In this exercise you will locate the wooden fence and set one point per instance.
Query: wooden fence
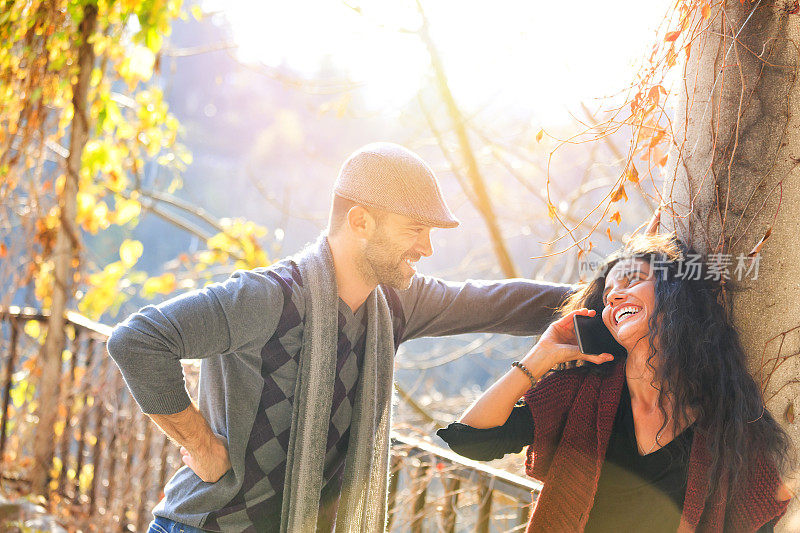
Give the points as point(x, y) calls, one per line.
point(111, 463)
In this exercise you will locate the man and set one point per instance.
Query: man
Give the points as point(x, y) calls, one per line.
point(291, 431)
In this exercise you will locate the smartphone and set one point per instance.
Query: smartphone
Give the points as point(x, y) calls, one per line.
point(593, 336)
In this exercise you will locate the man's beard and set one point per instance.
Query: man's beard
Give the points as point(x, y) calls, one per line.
point(382, 263)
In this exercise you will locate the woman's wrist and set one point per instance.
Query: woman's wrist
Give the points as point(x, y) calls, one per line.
point(537, 362)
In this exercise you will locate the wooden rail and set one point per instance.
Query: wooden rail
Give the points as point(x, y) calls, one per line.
point(110, 464)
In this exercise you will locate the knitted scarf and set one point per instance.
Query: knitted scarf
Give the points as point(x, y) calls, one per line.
point(362, 506)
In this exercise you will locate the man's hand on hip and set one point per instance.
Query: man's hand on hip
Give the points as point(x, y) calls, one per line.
point(209, 462)
point(202, 450)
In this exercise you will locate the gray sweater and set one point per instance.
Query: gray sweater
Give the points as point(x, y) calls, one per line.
point(230, 325)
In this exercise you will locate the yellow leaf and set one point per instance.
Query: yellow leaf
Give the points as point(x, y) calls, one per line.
point(138, 64)
point(197, 12)
point(130, 251)
point(32, 329)
point(551, 210)
point(539, 136)
point(163, 284)
point(126, 210)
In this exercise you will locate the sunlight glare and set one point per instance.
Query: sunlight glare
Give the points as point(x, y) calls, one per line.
point(540, 57)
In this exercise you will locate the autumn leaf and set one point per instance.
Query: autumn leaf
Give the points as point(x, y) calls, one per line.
point(3, 250)
point(631, 174)
point(551, 210)
point(32, 329)
point(619, 193)
point(757, 248)
point(616, 217)
point(539, 136)
point(130, 251)
point(163, 284)
point(663, 161)
point(608, 232)
point(790, 413)
point(671, 57)
point(705, 11)
point(671, 36)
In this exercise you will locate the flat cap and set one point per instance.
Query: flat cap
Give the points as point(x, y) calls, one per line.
point(391, 177)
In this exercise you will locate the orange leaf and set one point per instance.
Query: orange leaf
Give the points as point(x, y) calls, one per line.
point(653, 94)
point(790, 413)
point(539, 135)
point(631, 174)
point(608, 232)
point(671, 57)
point(3, 250)
point(619, 193)
point(706, 11)
point(757, 248)
point(663, 161)
point(671, 36)
point(615, 218)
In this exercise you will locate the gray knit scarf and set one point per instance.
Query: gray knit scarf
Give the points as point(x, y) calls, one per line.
point(362, 507)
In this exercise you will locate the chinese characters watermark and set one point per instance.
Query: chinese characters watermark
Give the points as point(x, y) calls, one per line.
point(716, 267)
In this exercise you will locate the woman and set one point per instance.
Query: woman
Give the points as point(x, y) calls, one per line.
point(668, 433)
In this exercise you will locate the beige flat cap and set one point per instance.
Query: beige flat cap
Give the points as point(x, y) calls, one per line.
point(390, 177)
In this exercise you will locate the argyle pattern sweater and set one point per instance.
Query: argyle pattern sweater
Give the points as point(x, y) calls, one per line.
point(573, 413)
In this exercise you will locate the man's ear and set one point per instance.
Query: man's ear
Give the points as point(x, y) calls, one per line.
point(360, 221)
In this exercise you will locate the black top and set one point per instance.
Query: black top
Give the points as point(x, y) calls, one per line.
point(634, 493)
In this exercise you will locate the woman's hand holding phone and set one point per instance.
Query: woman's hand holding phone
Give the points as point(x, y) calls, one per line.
point(559, 344)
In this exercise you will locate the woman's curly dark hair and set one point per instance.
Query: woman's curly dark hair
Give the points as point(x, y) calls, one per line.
point(701, 363)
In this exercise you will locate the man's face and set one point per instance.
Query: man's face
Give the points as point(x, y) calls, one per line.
point(392, 251)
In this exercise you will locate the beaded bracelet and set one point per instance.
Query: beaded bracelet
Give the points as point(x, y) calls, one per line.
point(522, 367)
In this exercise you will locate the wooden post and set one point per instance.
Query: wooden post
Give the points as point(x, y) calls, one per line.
point(451, 487)
point(420, 485)
point(142, 519)
point(394, 480)
point(7, 383)
point(84, 417)
point(98, 406)
point(67, 400)
point(484, 506)
point(523, 515)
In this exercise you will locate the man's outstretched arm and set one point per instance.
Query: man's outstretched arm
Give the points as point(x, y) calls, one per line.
point(434, 307)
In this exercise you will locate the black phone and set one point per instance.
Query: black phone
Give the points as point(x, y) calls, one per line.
point(593, 336)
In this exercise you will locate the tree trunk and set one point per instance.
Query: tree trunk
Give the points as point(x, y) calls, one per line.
point(65, 250)
point(733, 179)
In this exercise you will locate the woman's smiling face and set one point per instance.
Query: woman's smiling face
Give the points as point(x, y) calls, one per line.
point(629, 300)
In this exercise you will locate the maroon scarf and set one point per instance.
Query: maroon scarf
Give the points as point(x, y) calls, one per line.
point(573, 415)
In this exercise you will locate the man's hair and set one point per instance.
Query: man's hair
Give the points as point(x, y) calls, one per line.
point(339, 209)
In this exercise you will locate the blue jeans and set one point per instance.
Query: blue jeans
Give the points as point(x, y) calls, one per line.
point(165, 525)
